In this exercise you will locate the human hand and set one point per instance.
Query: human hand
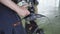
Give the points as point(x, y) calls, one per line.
point(23, 12)
point(23, 9)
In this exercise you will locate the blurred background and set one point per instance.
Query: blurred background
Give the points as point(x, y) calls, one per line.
point(51, 9)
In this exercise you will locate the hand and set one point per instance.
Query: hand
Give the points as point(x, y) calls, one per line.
point(23, 12)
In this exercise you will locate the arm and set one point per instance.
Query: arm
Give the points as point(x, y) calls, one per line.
point(20, 10)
